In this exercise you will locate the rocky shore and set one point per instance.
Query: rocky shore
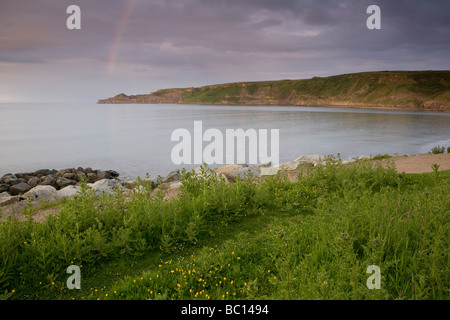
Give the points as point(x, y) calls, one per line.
point(53, 185)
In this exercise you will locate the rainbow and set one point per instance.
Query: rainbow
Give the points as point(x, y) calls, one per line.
point(118, 36)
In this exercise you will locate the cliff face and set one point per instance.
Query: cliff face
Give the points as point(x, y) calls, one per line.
point(423, 90)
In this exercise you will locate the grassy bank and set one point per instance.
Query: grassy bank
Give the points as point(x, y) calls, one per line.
point(311, 239)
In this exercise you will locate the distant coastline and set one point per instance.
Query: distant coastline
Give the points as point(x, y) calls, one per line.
point(395, 90)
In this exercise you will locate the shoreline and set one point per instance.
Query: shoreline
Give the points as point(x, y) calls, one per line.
point(334, 106)
point(108, 181)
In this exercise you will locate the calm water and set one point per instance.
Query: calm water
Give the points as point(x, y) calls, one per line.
point(135, 139)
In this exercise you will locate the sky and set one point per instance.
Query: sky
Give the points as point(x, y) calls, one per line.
point(139, 46)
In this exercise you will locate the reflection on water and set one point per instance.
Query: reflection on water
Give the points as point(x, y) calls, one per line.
point(135, 139)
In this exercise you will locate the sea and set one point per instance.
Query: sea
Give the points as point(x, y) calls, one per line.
point(136, 139)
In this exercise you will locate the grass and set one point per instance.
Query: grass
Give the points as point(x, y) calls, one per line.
point(311, 239)
point(386, 88)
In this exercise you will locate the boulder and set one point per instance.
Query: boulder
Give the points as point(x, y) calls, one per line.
point(80, 175)
point(229, 169)
point(314, 159)
point(69, 175)
point(104, 185)
point(26, 175)
point(33, 182)
point(3, 187)
point(4, 195)
point(42, 193)
point(5, 201)
point(10, 179)
point(69, 192)
point(5, 176)
point(49, 180)
point(173, 176)
point(113, 174)
point(243, 173)
point(295, 165)
point(231, 172)
point(42, 172)
point(130, 184)
point(19, 188)
point(103, 175)
point(92, 177)
point(63, 182)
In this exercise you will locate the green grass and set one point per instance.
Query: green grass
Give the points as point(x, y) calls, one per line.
point(385, 88)
point(312, 239)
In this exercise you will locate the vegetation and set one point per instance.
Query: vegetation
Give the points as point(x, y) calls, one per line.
point(274, 239)
point(427, 90)
point(380, 156)
point(437, 150)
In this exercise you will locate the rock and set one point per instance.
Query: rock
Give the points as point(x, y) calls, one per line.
point(63, 182)
point(3, 187)
point(103, 175)
point(173, 176)
point(11, 180)
point(130, 184)
point(244, 173)
point(42, 193)
point(113, 174)
point(5, 176)
point(231, 172)
point(69, 175)
point(88, 170)
point(295, 165)
point(80, 176)
point(4, 195)
point(104, 185)
point(19, 188)
point(66, 171)
point(9, 200)
point(314, 159)
point(92, 177)
point(42, 172)
point(69, 192)
point(33, 182)
point(175, 185)
point(26, 176)
point(229, 169)
point(49, 180)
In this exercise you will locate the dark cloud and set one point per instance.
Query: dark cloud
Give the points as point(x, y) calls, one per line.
point(169, 43)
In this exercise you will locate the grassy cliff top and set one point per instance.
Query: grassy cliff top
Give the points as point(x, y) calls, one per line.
point(427, 90)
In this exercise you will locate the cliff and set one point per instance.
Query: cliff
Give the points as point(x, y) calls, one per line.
point(421, 90)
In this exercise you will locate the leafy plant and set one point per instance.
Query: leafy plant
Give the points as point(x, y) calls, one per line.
point(437, 149)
